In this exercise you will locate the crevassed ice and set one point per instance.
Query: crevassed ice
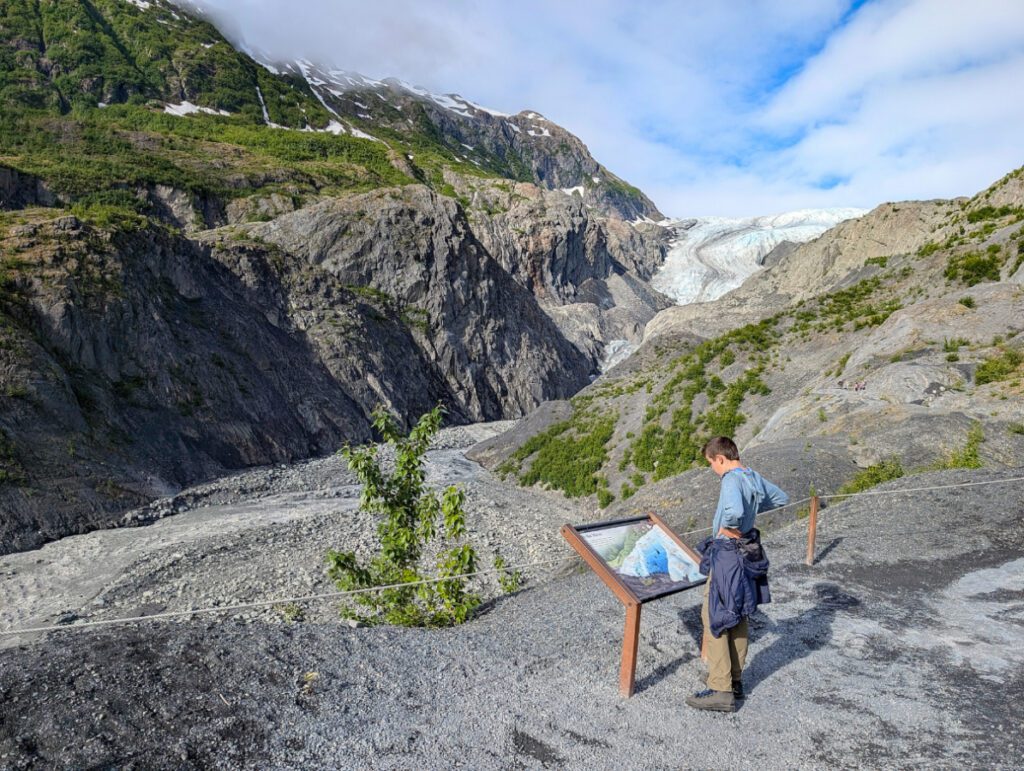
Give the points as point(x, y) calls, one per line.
point(710, 256)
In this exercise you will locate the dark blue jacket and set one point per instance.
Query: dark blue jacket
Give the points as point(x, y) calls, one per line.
point(739, 578)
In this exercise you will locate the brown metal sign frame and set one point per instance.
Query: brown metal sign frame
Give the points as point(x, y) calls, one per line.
point(611, 579)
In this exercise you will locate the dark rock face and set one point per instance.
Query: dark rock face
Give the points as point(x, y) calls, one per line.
point(588, 271)
point(18, 190)
point(136, 362)
point(553, 244)
point(493, 345)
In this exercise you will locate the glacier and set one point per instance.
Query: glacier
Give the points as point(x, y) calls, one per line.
point(710, 256)
point(656, 553)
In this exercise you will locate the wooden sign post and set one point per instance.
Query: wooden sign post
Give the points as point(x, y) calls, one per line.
point(631, 592)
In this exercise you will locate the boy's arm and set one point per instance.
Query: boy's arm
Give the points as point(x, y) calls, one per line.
point(730, 503)
point(774, 496)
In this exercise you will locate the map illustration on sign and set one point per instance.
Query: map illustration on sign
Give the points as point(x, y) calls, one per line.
point(644, 557)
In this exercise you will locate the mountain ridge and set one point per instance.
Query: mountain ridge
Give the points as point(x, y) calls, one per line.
point(142, 229)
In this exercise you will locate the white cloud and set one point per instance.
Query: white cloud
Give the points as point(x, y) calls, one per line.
point(891, 43)
point(905, 98)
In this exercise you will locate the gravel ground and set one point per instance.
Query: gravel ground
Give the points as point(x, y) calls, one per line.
point(901, 647)
point(262, 535)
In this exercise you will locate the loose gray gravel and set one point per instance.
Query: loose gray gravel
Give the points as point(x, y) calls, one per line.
point(263, 535)
point(902, 647)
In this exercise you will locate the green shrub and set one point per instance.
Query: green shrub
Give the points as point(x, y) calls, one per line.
point(567, 456)
point(1016, 428)
point(999, 367)
point(411, 515)
point(974, 267)
point(874, 475)
point(965, 457)
point(841, 364)
point(967, 301)
point(509, 580)
point(991, 213)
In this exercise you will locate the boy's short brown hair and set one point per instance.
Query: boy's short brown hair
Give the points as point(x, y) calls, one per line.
point(721, 445)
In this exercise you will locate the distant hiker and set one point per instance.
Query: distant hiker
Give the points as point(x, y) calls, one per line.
point(737, 571)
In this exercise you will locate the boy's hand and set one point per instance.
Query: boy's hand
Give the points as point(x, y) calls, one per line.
point(729, 532)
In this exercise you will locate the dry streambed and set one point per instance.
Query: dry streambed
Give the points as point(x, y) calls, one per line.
point(261, 535)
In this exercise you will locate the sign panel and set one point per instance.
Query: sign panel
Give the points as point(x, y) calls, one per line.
point(640, 559)
point(644, 556)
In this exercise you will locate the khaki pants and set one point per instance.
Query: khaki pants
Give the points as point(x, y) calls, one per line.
point(726, 654)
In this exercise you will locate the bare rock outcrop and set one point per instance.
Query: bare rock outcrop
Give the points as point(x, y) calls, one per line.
point(136, 361)
point(498, 352)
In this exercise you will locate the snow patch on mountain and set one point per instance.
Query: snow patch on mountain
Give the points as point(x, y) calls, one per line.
point(339, 82)
point(187, 108)
point(710, 256)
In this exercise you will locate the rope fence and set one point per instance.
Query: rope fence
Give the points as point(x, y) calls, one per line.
point(813, 500)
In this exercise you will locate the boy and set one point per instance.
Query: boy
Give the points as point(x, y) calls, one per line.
point(734, 548)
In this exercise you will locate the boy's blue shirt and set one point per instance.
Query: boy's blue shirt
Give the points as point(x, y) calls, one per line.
point(744, 494)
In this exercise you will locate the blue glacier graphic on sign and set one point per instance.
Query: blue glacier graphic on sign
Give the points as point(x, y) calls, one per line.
point(655, 553)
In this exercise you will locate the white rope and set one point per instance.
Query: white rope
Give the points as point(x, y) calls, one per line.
point(509, 568)
point(922, 489)
point(280, 601)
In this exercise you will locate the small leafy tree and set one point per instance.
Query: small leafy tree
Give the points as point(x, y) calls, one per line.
point(412, 514)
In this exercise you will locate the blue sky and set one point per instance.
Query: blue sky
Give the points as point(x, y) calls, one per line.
point(712, 108)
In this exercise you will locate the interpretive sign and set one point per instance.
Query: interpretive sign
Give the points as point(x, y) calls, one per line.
point(644, 556)
point(640, 559)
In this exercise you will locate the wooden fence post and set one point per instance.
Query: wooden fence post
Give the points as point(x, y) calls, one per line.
point(812, 529)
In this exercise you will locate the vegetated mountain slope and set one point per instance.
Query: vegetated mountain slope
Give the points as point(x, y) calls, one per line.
point(907, 359)
point(205, 264)
point(70, 56)
point(526, 146)
point(65, 55)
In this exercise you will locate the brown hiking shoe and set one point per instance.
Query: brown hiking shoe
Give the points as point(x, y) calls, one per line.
point(737, 685)
point(719, 701)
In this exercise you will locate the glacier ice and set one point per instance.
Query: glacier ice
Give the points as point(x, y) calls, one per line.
point(710, 256)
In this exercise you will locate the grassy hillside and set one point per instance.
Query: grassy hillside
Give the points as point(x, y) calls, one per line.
point(68, 55)
point(647, 420)
point(82, 90)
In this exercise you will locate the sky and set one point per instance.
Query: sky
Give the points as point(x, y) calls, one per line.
point(711, 108)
